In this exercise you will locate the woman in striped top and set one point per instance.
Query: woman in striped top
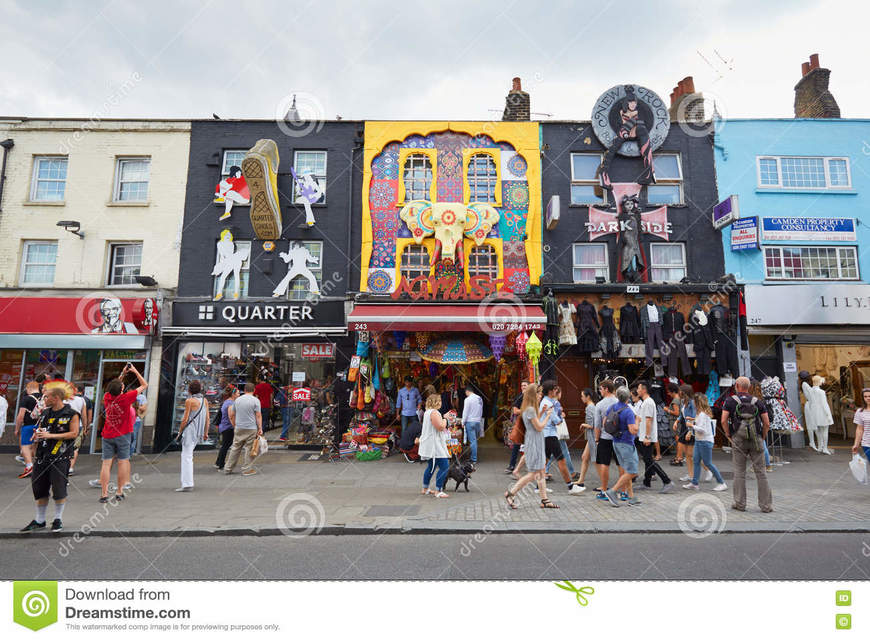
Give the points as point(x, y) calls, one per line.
point(862, 420)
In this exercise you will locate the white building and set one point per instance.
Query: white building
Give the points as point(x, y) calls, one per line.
point(86, 208)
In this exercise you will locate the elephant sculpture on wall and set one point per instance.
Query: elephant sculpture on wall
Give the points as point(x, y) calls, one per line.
point(449, 222)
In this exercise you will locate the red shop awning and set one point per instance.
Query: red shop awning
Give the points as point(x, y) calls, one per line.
point(490, 317)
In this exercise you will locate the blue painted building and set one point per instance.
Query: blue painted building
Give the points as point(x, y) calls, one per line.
point(801, 249)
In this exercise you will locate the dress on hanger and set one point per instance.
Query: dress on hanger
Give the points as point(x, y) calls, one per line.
point(587, 327)
point(629, 324)
point(672, 332)
point(608, 333)
point(781, 417)
point(567, 333)
point(551, 309)
point(701, 336)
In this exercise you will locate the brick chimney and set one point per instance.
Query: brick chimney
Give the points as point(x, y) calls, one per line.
point(811, 96)
point(687, 105)
point(517, 106)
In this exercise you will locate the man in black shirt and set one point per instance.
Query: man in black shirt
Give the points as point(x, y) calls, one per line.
point(745, 408)
point(515, 411)
point(55, 437)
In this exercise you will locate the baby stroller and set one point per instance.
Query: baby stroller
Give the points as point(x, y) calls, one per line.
point(407, 444)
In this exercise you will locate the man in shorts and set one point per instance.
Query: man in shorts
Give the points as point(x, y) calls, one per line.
point(604, 448)
point(118, 431)
point(58, 428)
point(624, 449)
point(25, 424)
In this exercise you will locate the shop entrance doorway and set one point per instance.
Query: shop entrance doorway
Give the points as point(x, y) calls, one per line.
point(110, 368)
point(572, 375)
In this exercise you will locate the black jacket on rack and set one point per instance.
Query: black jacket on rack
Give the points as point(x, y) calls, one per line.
point(701, 336)
point(672, 322)
point(724, 340)
point(629, 324)
point(587, 327)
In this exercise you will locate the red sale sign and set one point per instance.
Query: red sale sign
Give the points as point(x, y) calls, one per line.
point(302, 395)
point(318, 350)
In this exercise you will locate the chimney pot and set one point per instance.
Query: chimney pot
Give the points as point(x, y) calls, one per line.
point(516, 85)
point(814, 61)
point(805, 68)
point(673, 97)
point(689, 83)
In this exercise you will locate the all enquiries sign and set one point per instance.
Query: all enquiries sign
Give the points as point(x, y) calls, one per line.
point(809, 229)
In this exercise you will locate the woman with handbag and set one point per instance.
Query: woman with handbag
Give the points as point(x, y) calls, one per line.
point(685, 434)
point(534, 422)
point(193, 429)
point(225, 424)
point(433, 447)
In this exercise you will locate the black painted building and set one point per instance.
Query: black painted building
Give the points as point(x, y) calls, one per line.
point(247, 304)
point(680, 259)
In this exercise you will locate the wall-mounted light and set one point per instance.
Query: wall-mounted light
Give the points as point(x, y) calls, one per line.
point(72, 226)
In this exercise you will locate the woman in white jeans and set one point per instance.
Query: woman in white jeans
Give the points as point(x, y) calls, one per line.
point(194, 427)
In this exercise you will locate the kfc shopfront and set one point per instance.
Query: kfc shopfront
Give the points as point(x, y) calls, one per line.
point(87, 340)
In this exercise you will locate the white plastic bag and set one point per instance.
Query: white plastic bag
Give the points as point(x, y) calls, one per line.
point(858, 467)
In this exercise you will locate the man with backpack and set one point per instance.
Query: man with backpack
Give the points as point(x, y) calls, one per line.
point(746, 423)
point(621, 424)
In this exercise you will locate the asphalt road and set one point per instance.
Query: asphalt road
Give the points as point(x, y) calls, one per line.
point(455, 557)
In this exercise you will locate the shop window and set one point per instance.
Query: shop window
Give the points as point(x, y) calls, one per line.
point(584, 183)
point(667, 262)
point(482, 179)
point(414, 262)
point(590, 261)
point(811, 263)
point(38, 262)
point(417, 177)
point(483, 261)
point(313, 162)
point(125, 262)
point(300, 286)
point(215, 365)
point(49, 179)
point(244, 273)
point(131, 179)
point(232, 158)
point(10, 379)
point(787, 172)
point(668, 188)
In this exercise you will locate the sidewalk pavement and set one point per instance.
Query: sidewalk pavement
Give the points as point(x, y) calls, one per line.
point(295, 495)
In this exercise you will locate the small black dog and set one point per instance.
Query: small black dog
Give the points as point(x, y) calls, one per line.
point(460, 472)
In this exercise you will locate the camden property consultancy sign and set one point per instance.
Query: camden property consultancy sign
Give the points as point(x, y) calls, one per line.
point(809, 229)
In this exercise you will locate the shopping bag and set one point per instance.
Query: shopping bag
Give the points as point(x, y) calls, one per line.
point(562, 431)
point(858, 467)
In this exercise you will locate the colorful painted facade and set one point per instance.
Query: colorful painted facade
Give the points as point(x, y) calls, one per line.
point(466, 193)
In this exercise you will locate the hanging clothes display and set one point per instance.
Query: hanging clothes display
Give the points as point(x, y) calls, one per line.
point(587, 327)
point(723, 340)
point(629, 324)
point(650, 322)
point(567, 333)
point(609, 345)
point(702, 339)
point(551, 310)
point(672, 332)
point(781, 417)
point(713, 388)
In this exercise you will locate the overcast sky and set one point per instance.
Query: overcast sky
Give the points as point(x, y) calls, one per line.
point(413, 59)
